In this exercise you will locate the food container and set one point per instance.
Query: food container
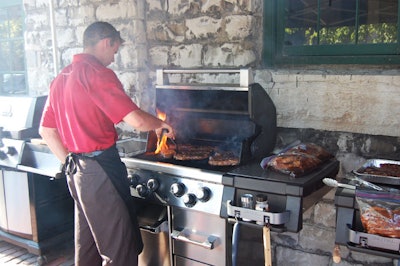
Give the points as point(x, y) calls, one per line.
point(382, 178)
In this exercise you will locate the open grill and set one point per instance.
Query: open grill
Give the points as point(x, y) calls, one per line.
point(236, 118)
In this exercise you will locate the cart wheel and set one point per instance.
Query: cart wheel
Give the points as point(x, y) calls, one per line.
point(41, 260)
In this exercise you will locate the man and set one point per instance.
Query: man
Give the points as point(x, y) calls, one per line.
point(85, 102)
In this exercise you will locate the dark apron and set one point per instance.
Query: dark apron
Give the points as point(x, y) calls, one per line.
point(111, 163)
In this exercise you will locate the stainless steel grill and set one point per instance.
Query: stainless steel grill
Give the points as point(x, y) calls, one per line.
point(19, 121)
point(35, 211)
point(237, 115)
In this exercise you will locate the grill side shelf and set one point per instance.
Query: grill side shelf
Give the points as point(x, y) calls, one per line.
point(374, 244)
point(258, 216)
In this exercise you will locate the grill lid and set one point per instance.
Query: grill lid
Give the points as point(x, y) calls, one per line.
point(236, 114)
point(20, 116)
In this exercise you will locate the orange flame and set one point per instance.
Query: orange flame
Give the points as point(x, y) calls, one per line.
point(161, 115)
point(161, 143)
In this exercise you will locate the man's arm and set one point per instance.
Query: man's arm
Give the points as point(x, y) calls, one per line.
point(53, 141)
point(144, 121)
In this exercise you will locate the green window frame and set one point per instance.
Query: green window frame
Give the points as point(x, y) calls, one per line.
point(12, 48)
point(331, 32)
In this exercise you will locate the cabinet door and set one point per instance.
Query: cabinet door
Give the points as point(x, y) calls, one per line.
point(16, 191)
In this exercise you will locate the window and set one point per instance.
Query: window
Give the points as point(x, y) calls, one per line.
point(331, 32)
point(12, 51)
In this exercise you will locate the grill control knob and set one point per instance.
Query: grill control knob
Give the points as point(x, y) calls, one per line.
point(133, 179)
point(3, 155)
point(11, 151)
point(203, 193)
point(142, 190)
point(178, 189)
point(189, 200)
point(153, 184)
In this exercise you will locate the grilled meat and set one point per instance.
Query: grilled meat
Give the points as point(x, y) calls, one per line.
point(223, 159)
point(192, 152)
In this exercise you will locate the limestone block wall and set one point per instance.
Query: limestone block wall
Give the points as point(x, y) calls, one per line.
point(353, 111)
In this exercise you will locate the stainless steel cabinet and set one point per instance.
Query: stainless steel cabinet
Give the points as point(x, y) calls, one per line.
point(15, 214)
point(36, 212)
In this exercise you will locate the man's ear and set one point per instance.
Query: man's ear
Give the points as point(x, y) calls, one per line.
point(105, 42)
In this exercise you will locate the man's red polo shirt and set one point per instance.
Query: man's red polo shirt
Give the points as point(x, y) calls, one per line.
point(86, 100)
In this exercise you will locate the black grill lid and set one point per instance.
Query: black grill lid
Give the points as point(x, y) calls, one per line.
point(241, 115)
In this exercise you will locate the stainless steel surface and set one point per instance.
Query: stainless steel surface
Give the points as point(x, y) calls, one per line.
point(185, 236)
point(16, 112)
point(15, 195)
point(20, 116)
point(173, 169)
point(258, 216)
point(364, 183)
point(38, 159)
point(156, 249)
point(37, 211)
point(198, 193)
point(245, 75)
point(19, 121)
point(197, 227)
point(11, 152)
point(154, 226)
point(365, 240)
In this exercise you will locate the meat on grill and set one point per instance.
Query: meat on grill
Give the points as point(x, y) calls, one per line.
point(192, 152)
point(167, 153)
point(227, 158)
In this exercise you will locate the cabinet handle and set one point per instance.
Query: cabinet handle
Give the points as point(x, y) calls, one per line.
point(208, 243)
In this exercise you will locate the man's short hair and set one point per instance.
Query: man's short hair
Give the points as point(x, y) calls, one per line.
point(98, 31)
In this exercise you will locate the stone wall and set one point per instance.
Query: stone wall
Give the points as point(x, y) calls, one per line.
point(353, 111)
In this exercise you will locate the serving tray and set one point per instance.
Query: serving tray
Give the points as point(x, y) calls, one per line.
point(382, 179)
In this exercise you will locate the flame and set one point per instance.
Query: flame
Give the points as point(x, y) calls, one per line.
point(161, 143)
point(161, 115)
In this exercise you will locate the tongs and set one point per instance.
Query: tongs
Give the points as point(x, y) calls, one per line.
point(163, 131)
point(353, 179)
point(363, 183)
